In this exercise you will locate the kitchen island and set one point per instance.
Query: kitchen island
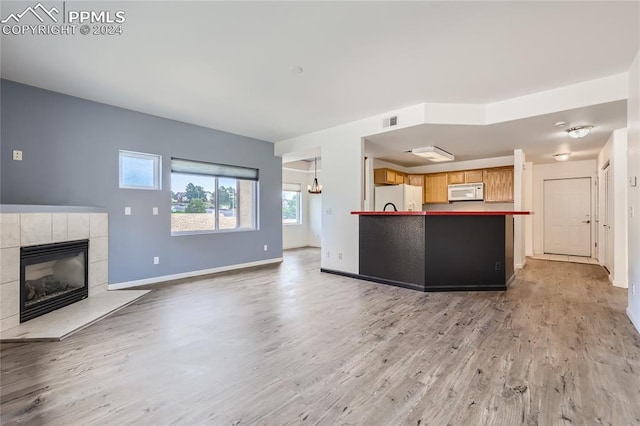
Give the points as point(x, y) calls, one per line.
point(437, 250)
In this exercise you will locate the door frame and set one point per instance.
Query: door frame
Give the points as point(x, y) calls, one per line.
point(592, 208)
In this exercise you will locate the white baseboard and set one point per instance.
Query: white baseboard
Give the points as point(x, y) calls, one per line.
point(619, 284)
point(154, 280)
point(520, 265)
point(295, 247)
point(634, 321)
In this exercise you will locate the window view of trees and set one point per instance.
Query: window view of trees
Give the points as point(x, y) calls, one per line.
point(197, 206)
point(290, 207)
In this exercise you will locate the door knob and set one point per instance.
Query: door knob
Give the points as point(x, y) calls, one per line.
point(586, 221)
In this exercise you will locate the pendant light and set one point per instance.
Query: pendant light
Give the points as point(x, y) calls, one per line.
point(316, 188)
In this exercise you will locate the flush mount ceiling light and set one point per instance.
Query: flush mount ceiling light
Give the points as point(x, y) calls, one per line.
point(296, 70)
point(433, 153)
point(579, 131)
point(316, 188)
point(560, 124)
point(562, 157)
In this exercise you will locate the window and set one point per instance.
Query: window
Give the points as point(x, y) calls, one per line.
point(139, 170)
point(208, 197)
point(291, 203)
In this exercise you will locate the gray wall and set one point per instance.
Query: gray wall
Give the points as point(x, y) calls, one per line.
point(70, 148)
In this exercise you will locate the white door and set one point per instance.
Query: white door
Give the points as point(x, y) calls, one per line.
point(567, 216)
point(607, 220)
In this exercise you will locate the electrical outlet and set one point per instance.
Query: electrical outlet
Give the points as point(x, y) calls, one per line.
point(127, 211)
point(328, 254)
point(266, 247)
point(633, 289)
point(340, 256)
point(17, 155)
point(156, 260)
point(329, 212)
point(498, 266)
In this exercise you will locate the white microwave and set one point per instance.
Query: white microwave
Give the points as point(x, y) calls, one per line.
point(466, 192)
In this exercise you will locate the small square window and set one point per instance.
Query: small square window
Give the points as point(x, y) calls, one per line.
point(139, 170)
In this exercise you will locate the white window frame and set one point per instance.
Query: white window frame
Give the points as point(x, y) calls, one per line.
point(294, 187)
point(157, 169)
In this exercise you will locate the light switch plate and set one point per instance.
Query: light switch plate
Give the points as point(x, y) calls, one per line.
point(127, 211)
point(155, 211)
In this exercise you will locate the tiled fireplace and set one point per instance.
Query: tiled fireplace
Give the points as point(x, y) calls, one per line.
point(29, 229)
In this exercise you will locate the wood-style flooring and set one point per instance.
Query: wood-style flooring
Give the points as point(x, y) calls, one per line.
point(286, 344)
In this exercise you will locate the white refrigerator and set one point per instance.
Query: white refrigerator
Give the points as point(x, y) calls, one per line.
point(404, 197)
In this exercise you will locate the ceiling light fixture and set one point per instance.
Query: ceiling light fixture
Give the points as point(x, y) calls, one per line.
point(433, 153)
point(579, 131)
point(316, 188)
point(562, 157)
point(296, 70)
point(560, 124)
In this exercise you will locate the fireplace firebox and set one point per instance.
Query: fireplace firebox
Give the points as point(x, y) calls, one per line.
point(52, 276)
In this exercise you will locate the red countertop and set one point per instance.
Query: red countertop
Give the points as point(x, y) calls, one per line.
point(443, 213)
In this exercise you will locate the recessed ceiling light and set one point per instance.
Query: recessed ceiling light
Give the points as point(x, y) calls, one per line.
point(296, 70)
point(562, 157)
point(579, 131)
point(560, 124)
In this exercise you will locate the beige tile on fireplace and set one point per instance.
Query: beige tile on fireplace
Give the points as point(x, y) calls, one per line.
point(99, 225)
point(9, 230)
point(9, 322)
point(98, 274)
point(9, 299)
point(98, 249)
point(59, 227)
point(35, 228)
point(9, 264)
point(78, 226)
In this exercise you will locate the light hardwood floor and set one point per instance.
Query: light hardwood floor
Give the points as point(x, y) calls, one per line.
point(286, 344)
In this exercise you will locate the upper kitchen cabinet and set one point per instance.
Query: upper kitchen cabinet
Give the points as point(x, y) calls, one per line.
point(473, 176)
point(384, 176)
point(416, 180)
point(498, 185)
point(455, 178)
point(435, 188)
point(389, 177)
point(464, 176)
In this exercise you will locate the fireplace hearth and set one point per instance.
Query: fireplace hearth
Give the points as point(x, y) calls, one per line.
point(52, 276)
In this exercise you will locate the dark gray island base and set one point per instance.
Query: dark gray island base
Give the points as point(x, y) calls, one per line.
point(437, 251)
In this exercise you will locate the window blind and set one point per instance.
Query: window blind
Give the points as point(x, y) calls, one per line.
point(179, 165)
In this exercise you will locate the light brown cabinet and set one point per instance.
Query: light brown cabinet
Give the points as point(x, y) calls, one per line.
point(498, 185)
point(473, 176)
point(464, 176)
point(384, 176)
point(455, 177)
point(416, 180)
point(389, 177)
point(435, 188)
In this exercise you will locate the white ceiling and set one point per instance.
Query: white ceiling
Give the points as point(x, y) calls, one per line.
point(225, 65)
point(536, 136)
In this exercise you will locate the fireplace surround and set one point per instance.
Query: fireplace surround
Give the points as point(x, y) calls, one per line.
point(28, 226)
